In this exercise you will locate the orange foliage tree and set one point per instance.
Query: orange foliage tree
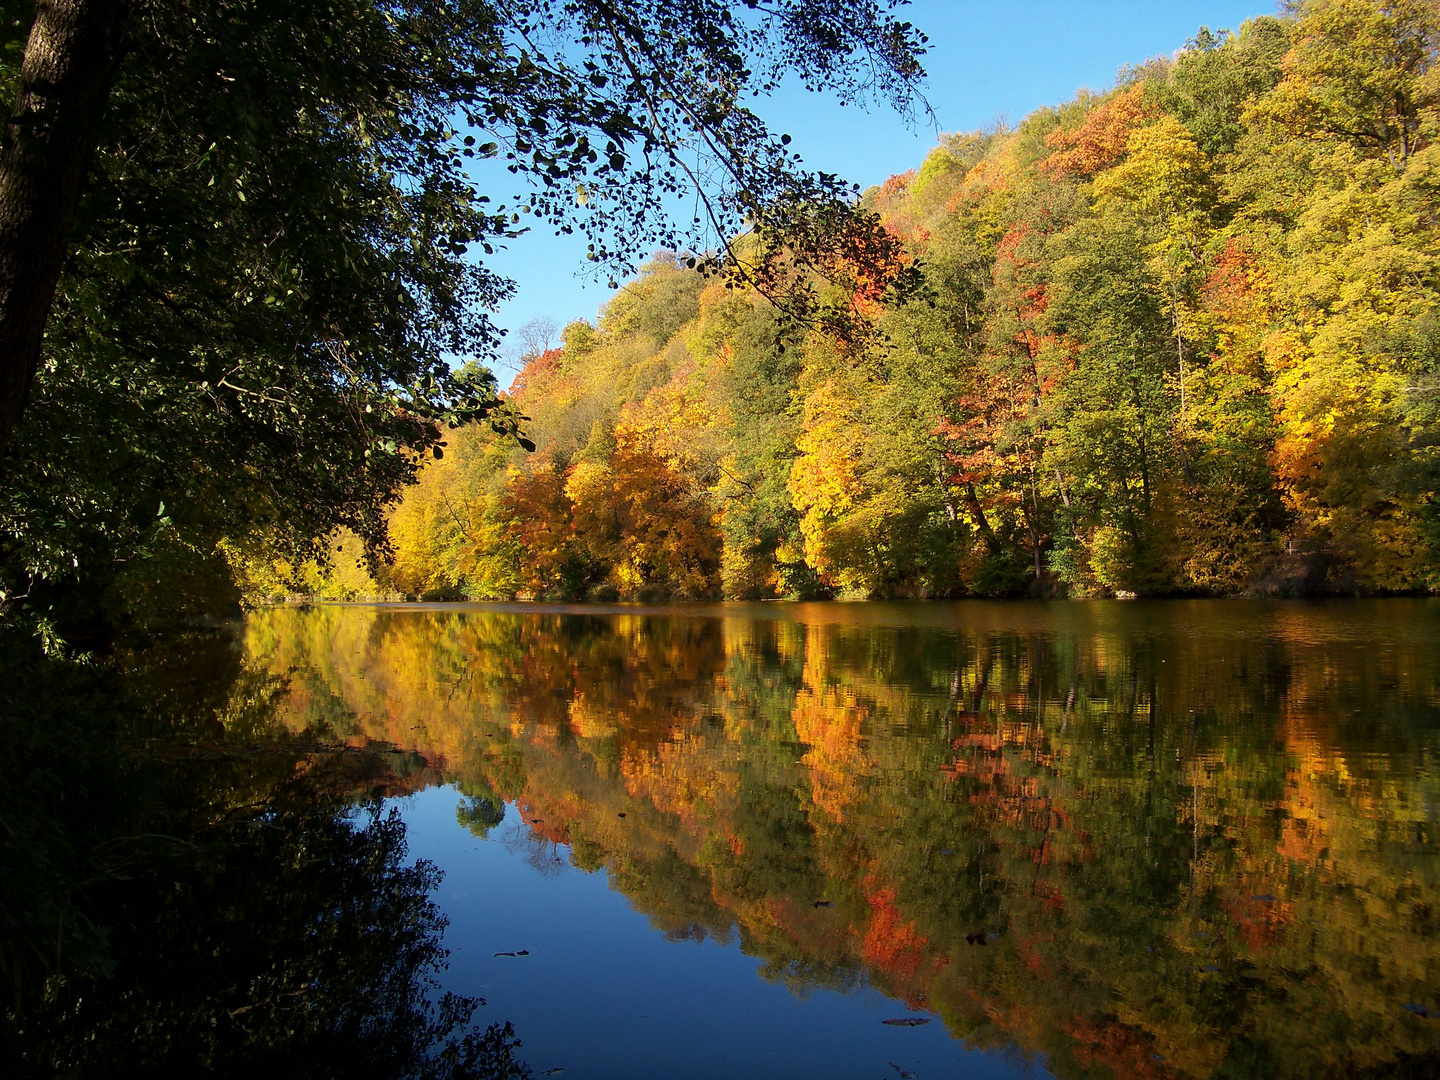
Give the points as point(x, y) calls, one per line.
point(1100, 140)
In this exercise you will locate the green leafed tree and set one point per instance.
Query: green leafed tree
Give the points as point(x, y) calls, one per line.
point(242, 243)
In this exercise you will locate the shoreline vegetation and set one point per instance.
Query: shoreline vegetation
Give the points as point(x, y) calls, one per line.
point(1176, 338)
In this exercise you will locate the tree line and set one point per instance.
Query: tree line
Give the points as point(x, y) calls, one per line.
point(1176, 337)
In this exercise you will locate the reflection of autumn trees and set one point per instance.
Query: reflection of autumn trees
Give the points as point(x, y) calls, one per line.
point(1199, 839)
point(828, 716)
point(189, 889)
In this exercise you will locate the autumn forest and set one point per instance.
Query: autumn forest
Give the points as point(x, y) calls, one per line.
point(1178, 337)
point(1169, 341)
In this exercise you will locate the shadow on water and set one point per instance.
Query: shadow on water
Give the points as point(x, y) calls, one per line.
point(186, 888)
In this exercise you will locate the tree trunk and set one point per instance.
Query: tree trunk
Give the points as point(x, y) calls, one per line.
point(972, 503)
point(48, 141)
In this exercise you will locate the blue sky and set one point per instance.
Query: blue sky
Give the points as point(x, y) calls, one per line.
point(986, 60)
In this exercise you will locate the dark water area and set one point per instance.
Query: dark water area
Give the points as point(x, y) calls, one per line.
point(1110, 839)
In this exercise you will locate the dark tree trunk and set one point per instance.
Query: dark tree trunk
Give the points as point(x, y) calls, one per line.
point(972, 503)
point(48, 141)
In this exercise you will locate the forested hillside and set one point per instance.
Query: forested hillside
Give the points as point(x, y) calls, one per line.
point(1177, 337)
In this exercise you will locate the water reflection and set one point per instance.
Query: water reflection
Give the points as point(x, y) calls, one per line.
point(186, 890)
point(1182, 839)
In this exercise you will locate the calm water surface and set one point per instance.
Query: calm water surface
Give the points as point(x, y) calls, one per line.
point(1166, 839)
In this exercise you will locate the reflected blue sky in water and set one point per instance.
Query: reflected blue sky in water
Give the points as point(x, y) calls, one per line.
point(602, 994)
